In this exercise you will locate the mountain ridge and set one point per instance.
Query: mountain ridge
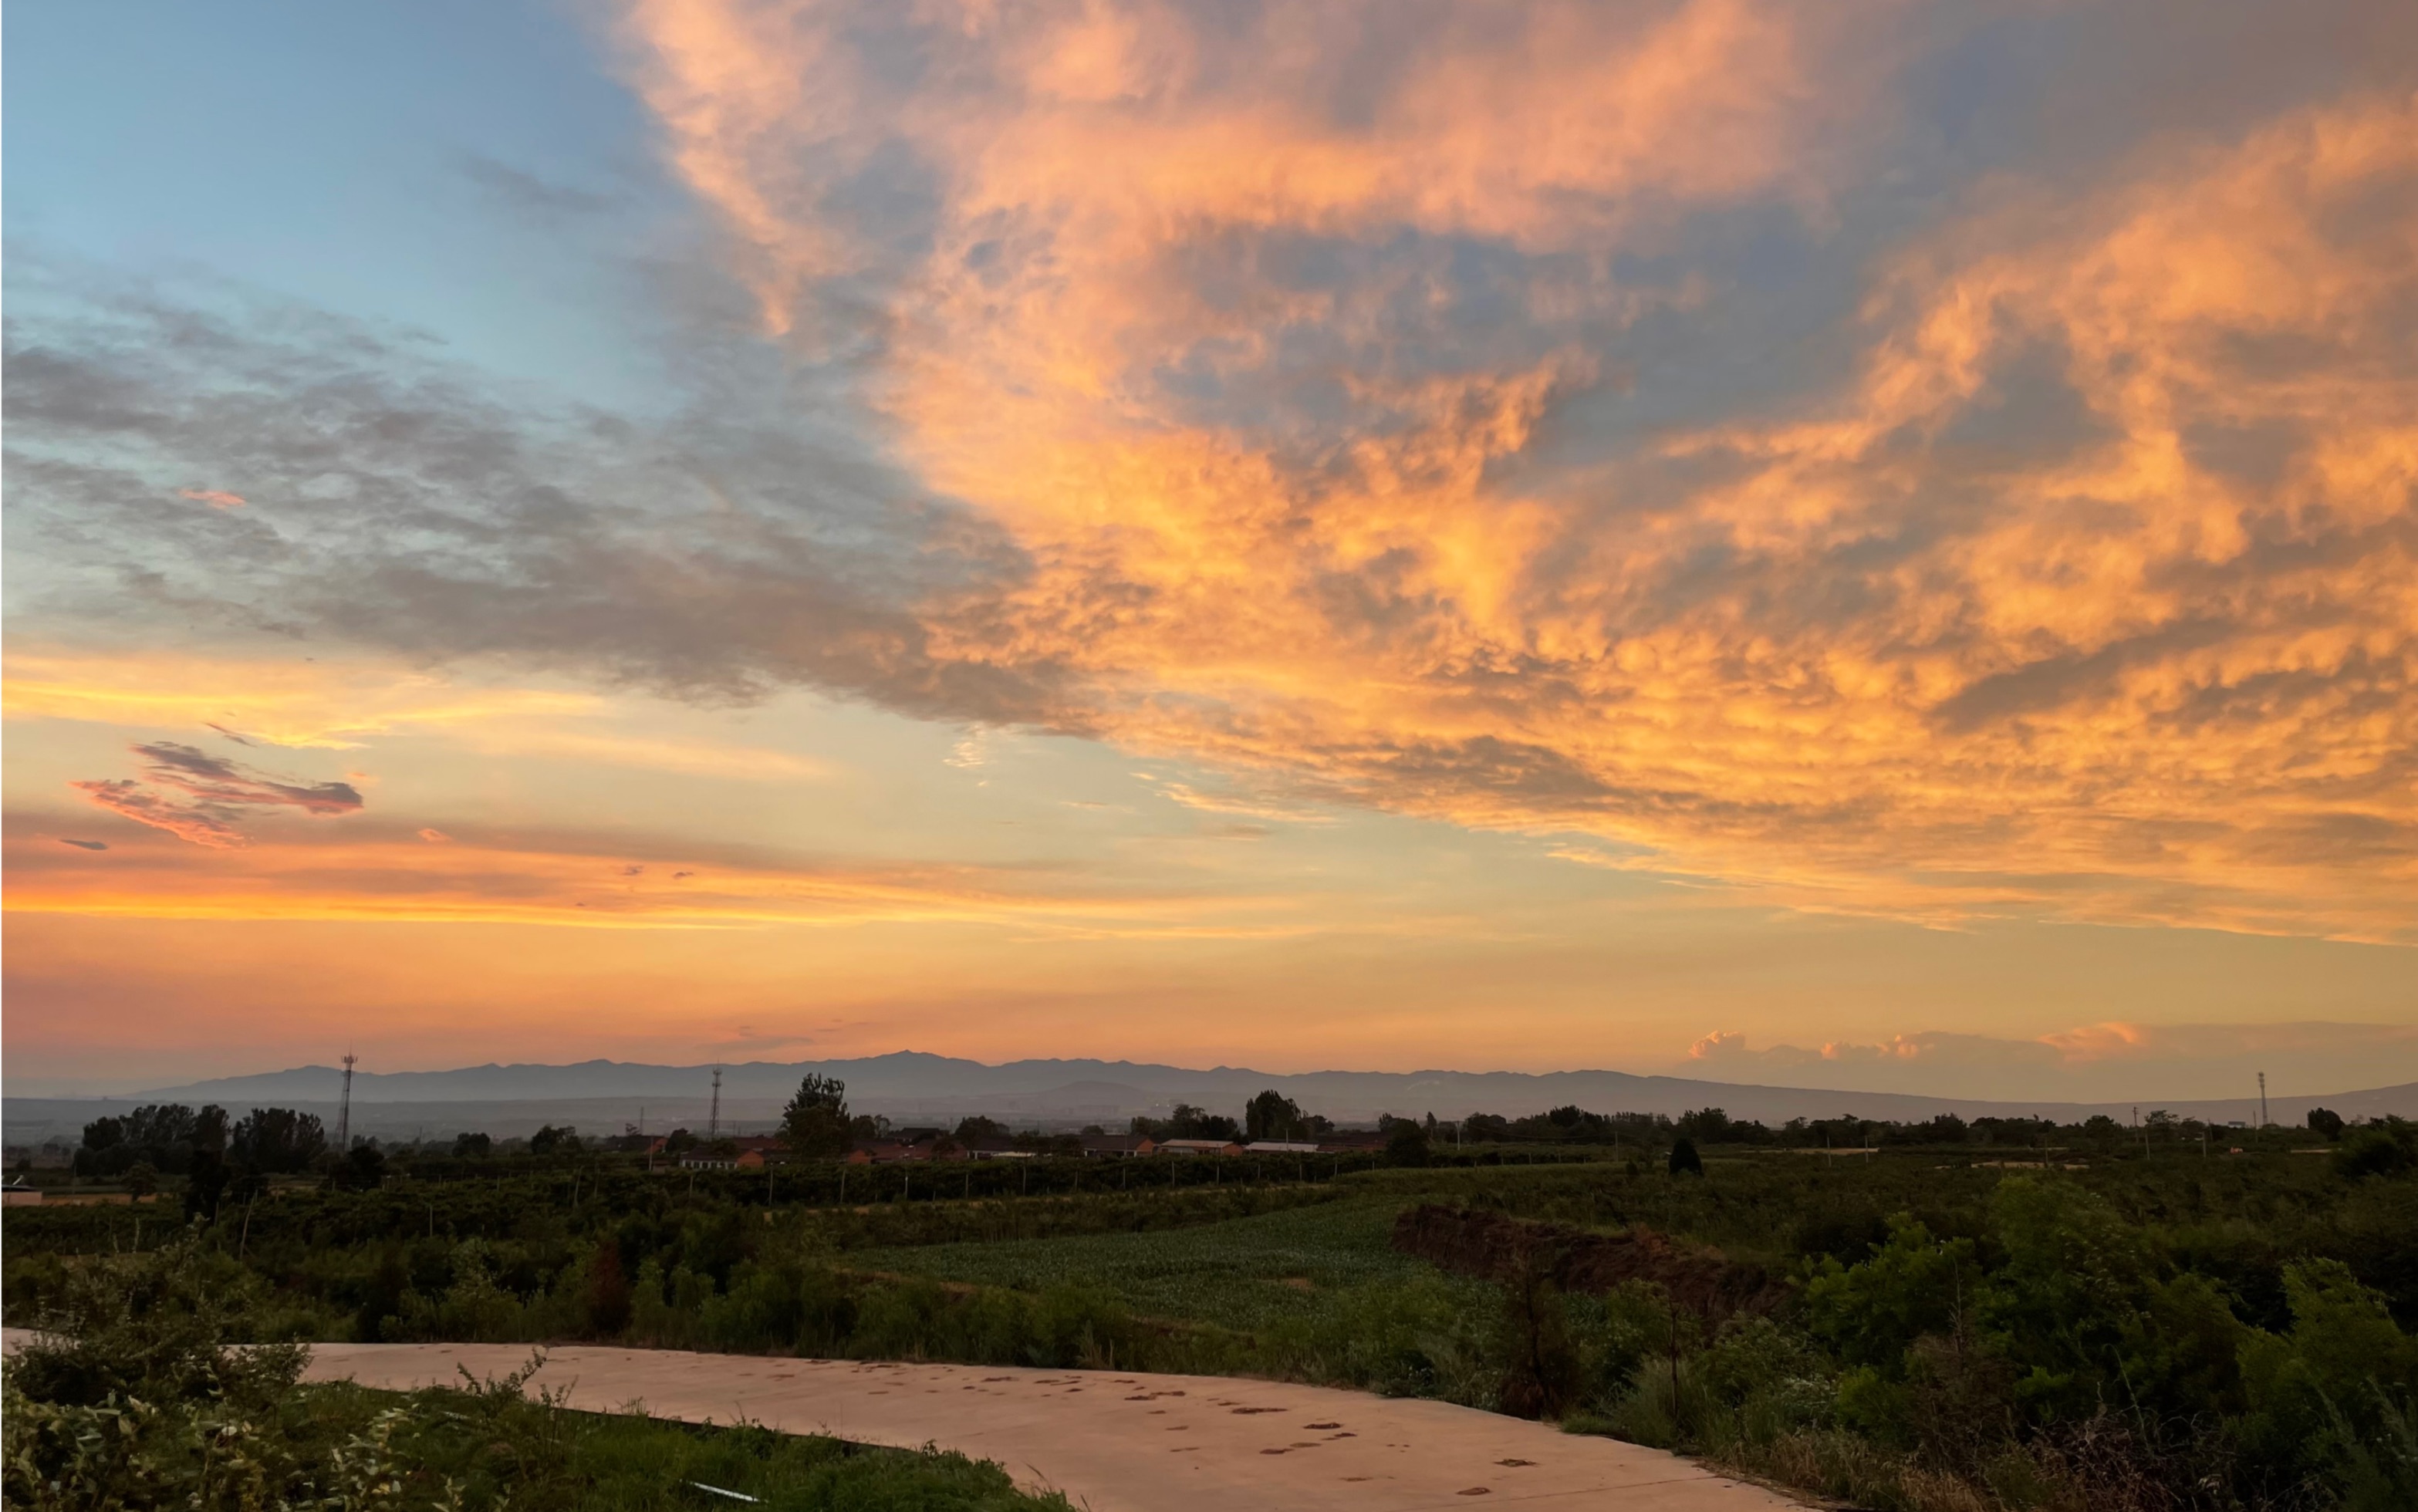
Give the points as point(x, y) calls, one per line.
point(921, 1085)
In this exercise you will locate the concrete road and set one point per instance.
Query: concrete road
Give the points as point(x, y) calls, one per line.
point(1115, 1442)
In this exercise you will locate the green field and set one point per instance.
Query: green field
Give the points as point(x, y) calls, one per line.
point(1240, 1274)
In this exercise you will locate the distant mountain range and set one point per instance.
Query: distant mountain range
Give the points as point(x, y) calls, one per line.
point(602, 1096)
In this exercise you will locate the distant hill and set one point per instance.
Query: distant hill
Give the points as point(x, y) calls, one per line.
point(912, 1086)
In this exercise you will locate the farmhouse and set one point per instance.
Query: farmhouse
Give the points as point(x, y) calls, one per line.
point(1199, 1147)
point(887, 1152)
point(1119, 1146)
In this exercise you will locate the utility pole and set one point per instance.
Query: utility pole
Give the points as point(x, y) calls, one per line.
point(714, 1116)
point(345, 1107)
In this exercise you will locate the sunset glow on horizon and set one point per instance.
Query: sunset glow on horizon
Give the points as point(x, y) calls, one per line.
point(1872, 544)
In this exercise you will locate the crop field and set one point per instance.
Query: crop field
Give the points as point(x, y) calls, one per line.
point(1240, 1274)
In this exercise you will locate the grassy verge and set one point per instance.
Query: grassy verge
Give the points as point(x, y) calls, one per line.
point(139, 1402)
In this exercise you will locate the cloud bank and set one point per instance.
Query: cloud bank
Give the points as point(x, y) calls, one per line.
point(2104, 1060)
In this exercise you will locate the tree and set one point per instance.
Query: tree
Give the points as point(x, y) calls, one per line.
point(1272, 1115)
point(1684, 1157)
point(1186, 1121)
point(141, 1179)
point(2326, 1122)
point(1406, 1144)
point(816, 1122)
point(550, 1140)
point(278, 1140)
point(204, 1184)
point(210, 1129)
point(160, 1127)
point(362, 1170)
point(472, 1146)
point(974, 1126)
point(105, 1133)
point(1711, 1124)
point(2380, 1148)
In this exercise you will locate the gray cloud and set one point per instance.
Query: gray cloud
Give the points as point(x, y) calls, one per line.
point(203, 799)
point(397, 503)
point(525, 191)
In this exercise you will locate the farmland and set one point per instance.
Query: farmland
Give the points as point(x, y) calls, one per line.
point(1915, 1325)
point(1242, 1274)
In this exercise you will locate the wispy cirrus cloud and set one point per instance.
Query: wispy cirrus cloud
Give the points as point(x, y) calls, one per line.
point(344, 705)
point(203, 799)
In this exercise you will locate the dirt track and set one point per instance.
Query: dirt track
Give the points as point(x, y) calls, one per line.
point(1116, 1442)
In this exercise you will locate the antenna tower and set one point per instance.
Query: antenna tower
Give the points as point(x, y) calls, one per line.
point(713, 1117)
point(345, 1107)
point(2262, 1099)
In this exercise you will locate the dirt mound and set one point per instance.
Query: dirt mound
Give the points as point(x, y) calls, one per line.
point(1473, 1242)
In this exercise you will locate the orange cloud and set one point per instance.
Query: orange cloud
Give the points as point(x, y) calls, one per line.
point(401, 878)
point(213, 497)
point(288, 702)
point(342, 705)
point(1202, 337)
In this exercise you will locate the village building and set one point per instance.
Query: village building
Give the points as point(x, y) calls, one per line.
point(1199, 1147)
point(887, 1152)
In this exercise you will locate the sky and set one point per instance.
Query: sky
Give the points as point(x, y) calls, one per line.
point(1870, 546)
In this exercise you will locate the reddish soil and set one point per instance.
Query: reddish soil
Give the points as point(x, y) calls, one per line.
point(1474, 1242)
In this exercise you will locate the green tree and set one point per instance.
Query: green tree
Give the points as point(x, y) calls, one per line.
point(550, 1140)
point(211, 1130)
point(1915, 1284)
point(278, 1140)
point(2385, 1149)
point(1685, 1159)
point(1406, 1143)
point(815, 1121)
point(362, 1170)
point(1709, 1124)
point(1272, 1115)
point(2326, 1122)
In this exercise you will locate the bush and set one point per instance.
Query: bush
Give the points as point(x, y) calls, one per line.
point(2378, 1150)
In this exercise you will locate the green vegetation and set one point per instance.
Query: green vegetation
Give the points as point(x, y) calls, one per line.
point(1950, 1317)
point(1242, 1274)
point(139, 1404)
